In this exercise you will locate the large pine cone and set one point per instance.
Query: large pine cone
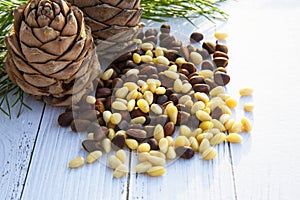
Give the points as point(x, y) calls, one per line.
point(49, 50)
point(109, 17)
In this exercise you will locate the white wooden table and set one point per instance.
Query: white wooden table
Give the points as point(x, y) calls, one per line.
point(264, 54)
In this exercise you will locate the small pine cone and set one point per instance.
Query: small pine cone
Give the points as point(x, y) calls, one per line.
point(51, 54)
point(109, 17)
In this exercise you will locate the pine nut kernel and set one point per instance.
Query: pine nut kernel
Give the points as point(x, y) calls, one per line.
point(76, 163)
point(93, 156)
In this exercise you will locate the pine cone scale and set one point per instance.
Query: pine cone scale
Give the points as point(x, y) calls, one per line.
point(49, 50)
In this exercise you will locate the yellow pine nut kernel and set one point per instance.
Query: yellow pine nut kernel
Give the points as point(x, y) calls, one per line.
point(120, 171)
point(157, 154)
point(114, 162)
point(147, 46)
point(220, 35)
point(248, 107)
point(224, 118)
point(203, 116)
point(189, 103)
point(144, 147)
point(121, 100)
point(217, 139)
point(180, 61)
point(90, 99)
point(132, 95)
point(132, 72)
point(205, 144)
point(115, 118)
point(149, 53)
point(107, 74)
point(171, 153)
point(209, 154)
point(200, 96)
point(199, 105)
point(224, 96)
point(137, 41)
point(212, 130)
point(236, 127)
point(148, 96)
point(152, 87)
point(170, 140)
point(205, 125)
point(156, 109)
point(231, 103)
point(181, 141)
point(143, 167)
point(196, 58)
point(177, 85)
point(247, 91)
point(173, 113)
point(158, 132)
point(171, 74)
point(218, 125)
point(90, 136)
point(132, 144)
point(131, 105)
point(234, 138)
point(106, 116)
point(206, 73)
point(206, 135)
point(131, 86)
point(229, 124)
point(185, 131)
point(138, 120)
point(196, 132)
point(226, 110)
point(173, 68)
point(159, 52)
point(160, 90)
point(163, 60)
point(156, 161)
point(163, 145)
point(121, 92)
point(184, 99)
point(93, 156)
point(143, 156)
point(156, 171)
point(106, 144)
point(246, 125)
point(186, 88)
point(194, 143)
point(121, 155)
point(76, 163)
point(117, 105)
point(146, 59)
point(217, 91)
point(111, 133)
point(136, 58)
point(141, 83)
point(143, 105)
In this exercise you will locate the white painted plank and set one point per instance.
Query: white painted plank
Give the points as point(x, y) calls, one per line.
point(264, 53)
point(17, 138)
point(49, 176)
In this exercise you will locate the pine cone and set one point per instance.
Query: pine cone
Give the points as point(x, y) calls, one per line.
point(109, 17)
point(49, 50)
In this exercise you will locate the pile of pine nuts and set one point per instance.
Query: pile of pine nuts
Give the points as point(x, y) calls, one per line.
point(143, 97)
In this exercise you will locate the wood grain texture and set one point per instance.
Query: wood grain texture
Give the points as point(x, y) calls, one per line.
point(50, 178)
point(266, 164)
point(17, 137)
